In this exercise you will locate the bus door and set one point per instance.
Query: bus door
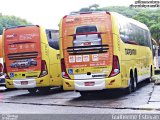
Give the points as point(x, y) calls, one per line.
point(54, 57)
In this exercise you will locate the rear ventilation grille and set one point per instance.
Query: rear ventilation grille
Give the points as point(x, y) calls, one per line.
point(87, 49)
point(22, 55)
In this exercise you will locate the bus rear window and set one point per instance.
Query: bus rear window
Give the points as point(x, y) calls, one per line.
point(86, 29)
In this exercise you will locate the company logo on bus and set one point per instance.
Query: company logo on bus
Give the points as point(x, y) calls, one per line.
point(28, 36)
point(130, 51)
point(11, 36)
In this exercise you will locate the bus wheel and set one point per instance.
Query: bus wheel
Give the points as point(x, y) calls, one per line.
point(85, 93)
point(150, 78)
point(44, 90)
point(129, 88)
point(61, 88)
point(33, 90)
point(135, 82)
point(132, 85)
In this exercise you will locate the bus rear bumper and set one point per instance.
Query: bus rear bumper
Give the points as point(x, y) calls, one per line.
point(29, 83)
point(2, 80)
point(94, 84)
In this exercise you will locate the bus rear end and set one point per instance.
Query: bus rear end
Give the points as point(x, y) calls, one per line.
point(87, 56)
point(2, 78)
point(23, 60)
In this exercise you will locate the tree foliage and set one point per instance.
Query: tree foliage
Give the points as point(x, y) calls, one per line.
point(152, 20)
point(150, 17)
point(11, 21)
point(95, 6)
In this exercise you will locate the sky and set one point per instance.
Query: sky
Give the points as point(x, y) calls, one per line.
point(48, 13)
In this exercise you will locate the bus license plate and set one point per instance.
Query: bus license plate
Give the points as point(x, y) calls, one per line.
point(86, 43)
point(24, 82)
point(89, 83)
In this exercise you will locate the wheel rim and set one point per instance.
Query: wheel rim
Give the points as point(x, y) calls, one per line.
point(135, 85)
point(130, 87)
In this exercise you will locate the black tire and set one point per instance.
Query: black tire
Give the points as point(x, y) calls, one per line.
point(132, 85)
point(44, 90)
point(129, 88)
point(150, 78)
point(85, 93)
point(33, 91)
point(61, 88)
point(10, 89)
point(134, 88)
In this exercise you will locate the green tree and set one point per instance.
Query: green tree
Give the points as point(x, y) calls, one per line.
point(150, 17)
point(155, 31)
point(127, 11)
point(84, 10)
point(11, 21)
point(95, 6)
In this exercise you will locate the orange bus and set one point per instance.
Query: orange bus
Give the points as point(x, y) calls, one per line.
point(31, 58)
point(104, 50)
point(2, 78)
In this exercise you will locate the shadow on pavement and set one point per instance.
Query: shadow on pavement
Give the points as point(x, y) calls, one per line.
point(28, 95)
point(110, 94)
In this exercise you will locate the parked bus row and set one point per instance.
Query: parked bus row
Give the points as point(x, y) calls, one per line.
point(98, 50)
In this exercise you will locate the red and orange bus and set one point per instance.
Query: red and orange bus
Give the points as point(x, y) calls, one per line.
point(2, 78)
point(104, 50)
point(31, 58)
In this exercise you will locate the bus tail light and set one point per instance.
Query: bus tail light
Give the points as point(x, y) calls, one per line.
point(5, 71)
point(115, 67)
point(63, 69)
point(99, 36)
point(1, 68)
point(74, 37)
point(44, 70)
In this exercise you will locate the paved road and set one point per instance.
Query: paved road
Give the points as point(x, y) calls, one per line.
point(145, 100)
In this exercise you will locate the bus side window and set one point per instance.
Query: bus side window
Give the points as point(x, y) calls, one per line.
point(148, 39)
point(49, 35)
point(54, 44)
point(123, 31)
point(53, 39)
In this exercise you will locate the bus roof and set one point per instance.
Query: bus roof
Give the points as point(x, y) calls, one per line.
point(117, 15)
point(89, 12)
point(20, 26)
point(135, 22)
